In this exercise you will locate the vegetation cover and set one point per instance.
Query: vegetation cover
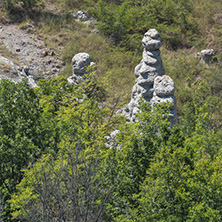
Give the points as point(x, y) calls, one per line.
point(58, 154)
point(55, 162)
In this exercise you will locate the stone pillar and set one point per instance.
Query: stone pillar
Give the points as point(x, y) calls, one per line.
point(150, 69)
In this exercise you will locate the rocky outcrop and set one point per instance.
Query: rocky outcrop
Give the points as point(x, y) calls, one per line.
point(25, 48)
point(82, 65)
point(164, 92)
point(150, 70)
point(81, 16)
point(207, 56)
point(16, 73)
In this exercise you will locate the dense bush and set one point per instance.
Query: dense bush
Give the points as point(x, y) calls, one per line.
point(153, 173)
point(124, 22)
point(53, 145)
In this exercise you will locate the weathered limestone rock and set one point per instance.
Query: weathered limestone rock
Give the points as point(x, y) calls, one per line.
point(206, 56)
point(149, 68)
point(17, 73)
point(81, 62)
point(164, 92)
point(151, 82)
point(81, 16)
point(111, 140)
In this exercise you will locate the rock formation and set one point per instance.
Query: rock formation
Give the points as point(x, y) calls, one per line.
point(207, 56)
point(81, 62)
point(16, 73)
point(164, 92)
point(147, 72)
point(81, 16)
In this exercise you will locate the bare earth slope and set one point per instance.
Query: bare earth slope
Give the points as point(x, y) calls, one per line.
point(25, 49)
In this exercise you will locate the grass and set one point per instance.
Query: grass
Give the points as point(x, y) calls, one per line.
point(8, 54)
point(69, 37)
point(5, 67)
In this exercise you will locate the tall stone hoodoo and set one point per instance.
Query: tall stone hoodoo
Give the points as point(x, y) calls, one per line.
point(151, 70)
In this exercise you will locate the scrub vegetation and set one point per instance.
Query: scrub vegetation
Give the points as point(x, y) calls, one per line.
point(55, 164)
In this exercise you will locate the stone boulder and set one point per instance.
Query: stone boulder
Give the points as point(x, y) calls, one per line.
point(207, 56)
point(82, 65)
point(164, 92)
point(111, 140)
point(16, 73)
point(151, 40)
point(81, 16)
point(163, 86)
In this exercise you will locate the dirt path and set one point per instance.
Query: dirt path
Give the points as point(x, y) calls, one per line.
point(27, 50)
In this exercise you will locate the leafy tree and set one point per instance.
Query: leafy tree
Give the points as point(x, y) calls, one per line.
point(126, 167)
point(20, 132)
point(28, 129)
point(182, 183)
point(154, 173)
point(69, 185)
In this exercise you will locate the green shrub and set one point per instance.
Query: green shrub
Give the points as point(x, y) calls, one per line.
point(123, 21)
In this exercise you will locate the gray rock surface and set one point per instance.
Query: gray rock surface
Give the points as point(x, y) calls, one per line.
point(82, 65)
point(16, 73)
point(149, 68)
point(81, 16)
point(164, 92)
point(163, 86)
point(207, 56)
point(150, 71)
point(27, 49)
point(111, 140)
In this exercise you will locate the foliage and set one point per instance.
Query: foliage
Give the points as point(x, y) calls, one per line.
point(197, 86)
point(66, 185)
point(152, 171)
point(21, 132)
point(27, 5)
point(122, 21)
point(126, 165)
point(67, 188)
point(182, 185)
point(182, 182)
point(53, 138)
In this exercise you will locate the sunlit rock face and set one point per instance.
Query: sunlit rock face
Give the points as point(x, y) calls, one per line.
point(164, 92)
point(207, 56)
point(147, 71)
point(16, 73)
point(82, 65)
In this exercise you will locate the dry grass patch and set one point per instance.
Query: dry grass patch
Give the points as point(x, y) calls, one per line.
point(8, 54)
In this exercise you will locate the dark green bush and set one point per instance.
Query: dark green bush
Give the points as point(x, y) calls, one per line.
point(123, 21)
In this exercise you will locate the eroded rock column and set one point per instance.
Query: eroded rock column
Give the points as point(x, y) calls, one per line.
point(151, 70)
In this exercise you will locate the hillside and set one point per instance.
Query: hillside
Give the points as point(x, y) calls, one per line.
point(60, 32)
point(65, 155)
